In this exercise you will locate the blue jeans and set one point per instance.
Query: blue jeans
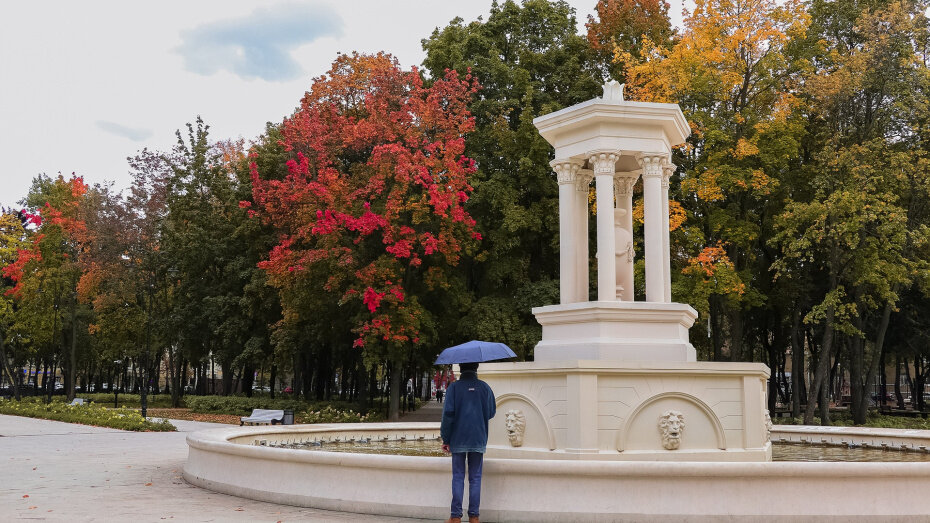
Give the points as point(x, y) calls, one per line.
point(475, 460)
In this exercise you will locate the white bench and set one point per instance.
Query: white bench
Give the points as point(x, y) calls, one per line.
point(79, 401)
point(263, 416)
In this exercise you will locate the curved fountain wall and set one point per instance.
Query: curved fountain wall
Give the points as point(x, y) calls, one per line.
point(234, 461)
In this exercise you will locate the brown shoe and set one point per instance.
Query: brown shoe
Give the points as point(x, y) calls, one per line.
point(454, 520)
point(473, 519)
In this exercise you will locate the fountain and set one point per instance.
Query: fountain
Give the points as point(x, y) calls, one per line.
point(616, 379)
point(615, 420)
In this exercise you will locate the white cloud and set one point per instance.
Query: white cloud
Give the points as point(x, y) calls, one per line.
point(68, 65)
point(136, 135)
point(260, 44)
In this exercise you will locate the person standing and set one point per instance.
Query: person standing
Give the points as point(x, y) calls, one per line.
point(469, 405)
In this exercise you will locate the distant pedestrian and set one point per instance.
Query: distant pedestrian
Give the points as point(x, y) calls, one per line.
point(464, 432)
point(439, 394)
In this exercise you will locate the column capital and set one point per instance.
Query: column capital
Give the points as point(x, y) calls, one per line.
point(583, 180)
point(566, 171)
point(652, 164)
point(623, 184)
point(668, 168)
point(604, 162)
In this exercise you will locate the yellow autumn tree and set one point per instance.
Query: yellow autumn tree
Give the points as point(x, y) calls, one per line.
point(736, 81)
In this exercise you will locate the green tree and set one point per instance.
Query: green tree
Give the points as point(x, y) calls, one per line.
point(529, 61)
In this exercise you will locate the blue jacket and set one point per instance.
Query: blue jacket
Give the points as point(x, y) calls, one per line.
point(469, 404)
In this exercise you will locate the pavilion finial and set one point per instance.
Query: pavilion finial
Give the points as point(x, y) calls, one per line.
point(613, 91)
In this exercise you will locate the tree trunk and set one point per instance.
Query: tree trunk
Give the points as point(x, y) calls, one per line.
point(227, 377)
point(797, 364)
point(394, 409)
point(248, 379)
point(6, 368)
point(273, 379)
point(883, 380)
point(819, 386)
point(897, 382)
point(858, 396)
point(917, 393)
point(72, 362)
point(770, 349)
point(715, 327)
point(862, 410)
point(736, 335)
point(362, 384)
point(174, 378)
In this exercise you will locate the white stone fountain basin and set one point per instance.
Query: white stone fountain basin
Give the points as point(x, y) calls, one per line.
point(228, 460)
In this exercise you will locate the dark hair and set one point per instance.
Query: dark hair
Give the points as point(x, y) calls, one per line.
point(466, 367)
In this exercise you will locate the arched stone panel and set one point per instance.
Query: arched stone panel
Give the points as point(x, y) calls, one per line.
point(702, 428)
point(538, 433)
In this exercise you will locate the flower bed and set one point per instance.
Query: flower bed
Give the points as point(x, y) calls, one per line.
point(92, 414)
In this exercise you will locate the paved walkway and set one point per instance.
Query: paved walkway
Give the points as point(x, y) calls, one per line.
point(430, 411)
point(64, 472)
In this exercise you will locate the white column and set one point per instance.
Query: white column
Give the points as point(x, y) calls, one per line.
point(583, 268)
point(667, 171)
point(652, 223)
point(604, 166)
point(568, 251)
point(623, 193)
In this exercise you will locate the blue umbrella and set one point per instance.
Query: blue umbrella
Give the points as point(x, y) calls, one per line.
point(475, 351)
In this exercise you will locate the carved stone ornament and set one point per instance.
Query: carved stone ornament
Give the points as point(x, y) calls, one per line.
point(613, 90)
point(768, 426)
point(668, 169)
point(566, 172)
point(604, 163)
point(515, 423)
point(652, 164)
point(583, 180)
point(671, 425)
point(623, 185)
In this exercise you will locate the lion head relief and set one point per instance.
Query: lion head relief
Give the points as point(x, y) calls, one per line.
point(671, 425)
point(515, 423)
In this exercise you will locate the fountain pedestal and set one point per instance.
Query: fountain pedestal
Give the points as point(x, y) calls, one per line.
point(611, 410)
point(617, 379)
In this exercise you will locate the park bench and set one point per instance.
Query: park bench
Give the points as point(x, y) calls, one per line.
point(79, 401)
point(268, 416)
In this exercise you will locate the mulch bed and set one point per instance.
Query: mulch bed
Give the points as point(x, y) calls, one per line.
point(186, 414)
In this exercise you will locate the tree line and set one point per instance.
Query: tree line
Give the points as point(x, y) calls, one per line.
point(399, 211)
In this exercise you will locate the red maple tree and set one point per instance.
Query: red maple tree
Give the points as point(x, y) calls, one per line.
point(374, 195)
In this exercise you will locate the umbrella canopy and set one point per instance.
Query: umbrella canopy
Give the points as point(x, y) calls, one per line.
point(475, 351)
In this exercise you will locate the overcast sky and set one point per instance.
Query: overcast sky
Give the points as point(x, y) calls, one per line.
point(84, 84)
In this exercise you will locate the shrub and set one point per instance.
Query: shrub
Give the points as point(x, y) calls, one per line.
point(159, 401)
point(91, 414)
point(241, 405)
point(330, 414)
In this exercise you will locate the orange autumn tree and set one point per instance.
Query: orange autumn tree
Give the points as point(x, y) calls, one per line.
point(733, 73)
point(46, 274)
point(371, 212)
point(626, 27)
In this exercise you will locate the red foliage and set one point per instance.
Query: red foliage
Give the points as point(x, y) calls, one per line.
point(63, 224)
point(376, 155)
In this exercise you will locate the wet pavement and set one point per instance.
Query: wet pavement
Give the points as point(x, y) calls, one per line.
point(58, 471)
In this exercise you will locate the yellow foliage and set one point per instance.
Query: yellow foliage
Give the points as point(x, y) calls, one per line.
point(704, 186)
point(676, 215)
point(725, 48)
point(744, 148)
